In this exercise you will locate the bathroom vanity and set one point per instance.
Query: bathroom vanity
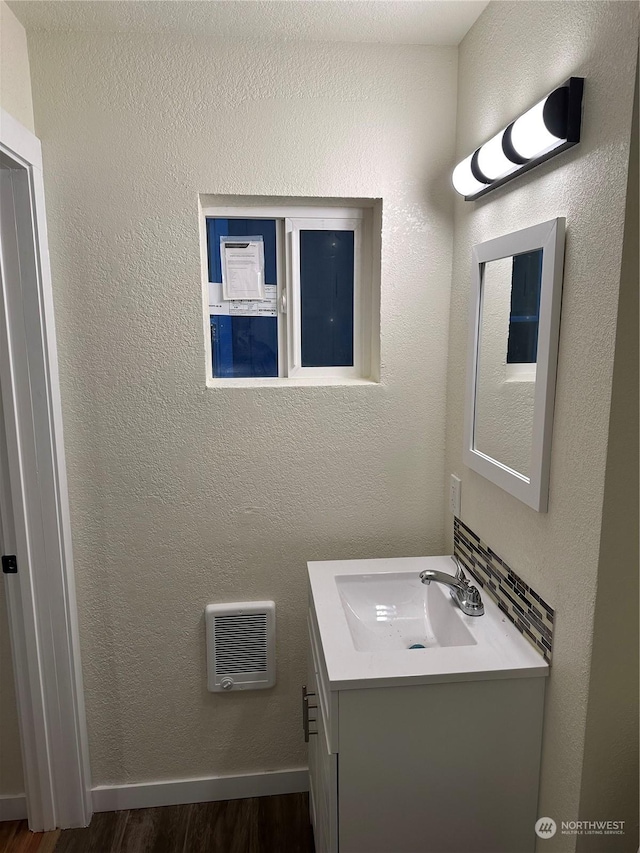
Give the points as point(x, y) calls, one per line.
point(433, 749)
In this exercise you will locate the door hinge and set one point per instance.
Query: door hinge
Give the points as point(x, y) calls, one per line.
point(10, 564)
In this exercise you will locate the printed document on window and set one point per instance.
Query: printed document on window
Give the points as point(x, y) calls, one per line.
point(242, 267)
point(243, 307)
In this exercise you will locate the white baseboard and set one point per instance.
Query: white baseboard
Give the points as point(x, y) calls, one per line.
point(13, 807)
point(177, 792)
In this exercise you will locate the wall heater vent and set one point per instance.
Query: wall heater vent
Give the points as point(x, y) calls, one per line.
point(241, 648)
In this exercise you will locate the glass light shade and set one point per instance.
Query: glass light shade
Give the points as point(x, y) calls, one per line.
point(463, 179)
point(492, 161)
point(529, 134)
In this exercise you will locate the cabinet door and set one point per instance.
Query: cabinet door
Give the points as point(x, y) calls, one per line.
point(313, 748)
point(326, 802)
point(323, 776)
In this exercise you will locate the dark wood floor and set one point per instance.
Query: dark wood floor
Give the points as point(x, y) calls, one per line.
point(259, 825)
point(16, 838)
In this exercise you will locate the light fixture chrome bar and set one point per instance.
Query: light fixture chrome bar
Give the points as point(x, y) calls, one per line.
point(551, 126)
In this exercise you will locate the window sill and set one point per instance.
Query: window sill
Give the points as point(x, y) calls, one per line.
point(277, 382)
point(520, 372)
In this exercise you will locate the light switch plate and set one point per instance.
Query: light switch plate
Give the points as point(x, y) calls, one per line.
point(454, 495)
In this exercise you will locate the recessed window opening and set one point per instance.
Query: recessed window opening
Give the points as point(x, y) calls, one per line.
point(289, 291)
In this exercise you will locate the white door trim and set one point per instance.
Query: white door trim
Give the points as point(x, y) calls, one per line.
point(35, 509)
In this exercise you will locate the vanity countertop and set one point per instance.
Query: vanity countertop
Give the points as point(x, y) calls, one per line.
point(469, 648)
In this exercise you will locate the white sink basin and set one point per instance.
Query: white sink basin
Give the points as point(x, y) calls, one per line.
point(394, 611)
point(367, 613)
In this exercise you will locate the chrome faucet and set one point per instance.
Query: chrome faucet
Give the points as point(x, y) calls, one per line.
point(464, 593)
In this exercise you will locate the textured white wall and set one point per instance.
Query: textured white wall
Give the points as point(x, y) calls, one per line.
point(610, 778)
point(15, 79)
point(182, 495)
point(501, 73)
point(15, 98)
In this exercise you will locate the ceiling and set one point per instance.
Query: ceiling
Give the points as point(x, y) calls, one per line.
point(435, 22)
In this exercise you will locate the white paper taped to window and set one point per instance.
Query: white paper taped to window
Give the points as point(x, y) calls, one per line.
point(217, 305)
point(243, 308)
point(242, 268)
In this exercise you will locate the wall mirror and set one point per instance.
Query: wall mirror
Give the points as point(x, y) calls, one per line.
point(511, 370)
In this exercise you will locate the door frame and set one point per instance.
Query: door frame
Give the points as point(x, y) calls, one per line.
point(42, 612)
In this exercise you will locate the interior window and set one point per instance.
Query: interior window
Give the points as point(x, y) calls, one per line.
point(526, 278)
point(244, 342)
point(326, 296)
point(290, 290)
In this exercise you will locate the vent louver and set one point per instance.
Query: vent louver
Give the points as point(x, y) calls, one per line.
point(240, 645)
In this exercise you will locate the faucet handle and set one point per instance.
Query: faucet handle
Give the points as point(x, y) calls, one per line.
point(472, 604)
point(460, 575)
point(473, 594)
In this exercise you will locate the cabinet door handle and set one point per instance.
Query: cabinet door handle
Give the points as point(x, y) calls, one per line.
point(305, 713)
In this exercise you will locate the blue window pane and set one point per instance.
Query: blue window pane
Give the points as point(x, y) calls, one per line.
point(526, 280)
point(326, 298)
point(217, 228)
point(244, 346)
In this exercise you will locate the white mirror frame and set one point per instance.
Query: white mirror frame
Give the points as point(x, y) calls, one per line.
point(548, 236)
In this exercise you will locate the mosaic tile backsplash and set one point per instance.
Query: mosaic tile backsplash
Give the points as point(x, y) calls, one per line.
point(531, 615)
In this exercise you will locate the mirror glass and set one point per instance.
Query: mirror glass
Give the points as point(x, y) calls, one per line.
point(509, 314)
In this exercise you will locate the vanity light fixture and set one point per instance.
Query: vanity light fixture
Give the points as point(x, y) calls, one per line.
point(549, 127)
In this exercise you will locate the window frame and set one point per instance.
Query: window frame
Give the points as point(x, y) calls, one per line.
point(290, 219)
point(293, 228)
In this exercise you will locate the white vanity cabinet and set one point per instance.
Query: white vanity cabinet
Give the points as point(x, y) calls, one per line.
point(323, 777)
point(446, 767)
